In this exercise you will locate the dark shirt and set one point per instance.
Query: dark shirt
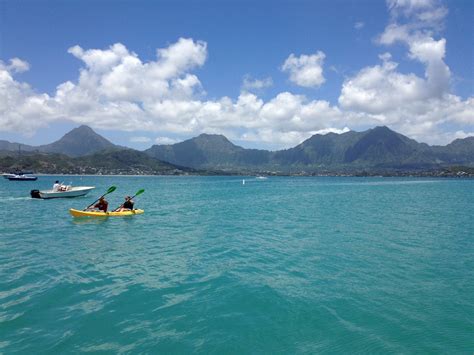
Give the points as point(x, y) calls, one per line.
point(102, 205)
point(128, 205)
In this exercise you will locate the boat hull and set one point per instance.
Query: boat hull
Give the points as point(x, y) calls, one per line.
point(22, 178)
point(72, 192)
point(99, 214)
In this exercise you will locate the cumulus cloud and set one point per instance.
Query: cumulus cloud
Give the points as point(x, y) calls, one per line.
point(417, 12)
point(381, 88)
point(250, 84)
point(115, 89)
point(418, 115)
point(333, 130)
point(165, 140)
point(119, 75)
point(413, 24)
point(21, 109)
point(140, 139)
point(16, 66)
point(305, 70)
point(417, 106)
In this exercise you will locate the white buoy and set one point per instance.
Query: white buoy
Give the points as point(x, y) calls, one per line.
point(243, 182)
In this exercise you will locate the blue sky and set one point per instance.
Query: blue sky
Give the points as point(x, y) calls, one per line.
point(266, 74)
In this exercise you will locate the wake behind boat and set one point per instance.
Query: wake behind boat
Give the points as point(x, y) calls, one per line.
point(63, 192)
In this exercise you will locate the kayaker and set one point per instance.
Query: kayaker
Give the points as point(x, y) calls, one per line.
point(128, 204)
point(102, 205)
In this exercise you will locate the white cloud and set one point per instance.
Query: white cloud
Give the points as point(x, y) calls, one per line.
point(16, 66)
point(359, 25)
point(417, 106)
point(140, 139)
point(285, 139)
point(332, 130)
point(21, 109)
point(419, 12)
point(250, 84)
point(306, 70)
point(381, 88)
point(412, 105)
point(116, 74)
point(165, 140)
point(116, 90)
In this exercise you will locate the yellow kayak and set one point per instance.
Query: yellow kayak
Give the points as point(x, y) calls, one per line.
point(79, 213)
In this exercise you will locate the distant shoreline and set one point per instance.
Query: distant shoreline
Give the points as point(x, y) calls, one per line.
point(438, 175)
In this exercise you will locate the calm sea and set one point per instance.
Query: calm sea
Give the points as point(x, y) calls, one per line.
point(283, 265)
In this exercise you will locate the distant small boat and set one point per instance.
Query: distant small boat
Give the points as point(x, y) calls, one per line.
point(261, 178)
point(67, 192)
point(22, 178)
point(20, 173)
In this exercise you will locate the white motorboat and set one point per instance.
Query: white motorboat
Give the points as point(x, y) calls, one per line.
point(17, 175)
point(22, 177)
point(63, 191)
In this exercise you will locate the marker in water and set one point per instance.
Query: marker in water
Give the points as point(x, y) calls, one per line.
point(243, 182)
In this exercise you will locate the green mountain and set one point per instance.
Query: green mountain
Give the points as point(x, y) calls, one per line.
point(459, 151)
point(14, 147)
point(78, 142)
point(107, 162)
point(377, 148)
point(209, 151)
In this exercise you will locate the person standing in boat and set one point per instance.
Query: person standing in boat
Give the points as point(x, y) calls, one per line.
point(56, 185)
point(102, 205)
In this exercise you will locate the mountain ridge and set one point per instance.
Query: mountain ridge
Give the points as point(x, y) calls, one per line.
point(379, 147)
point(376, 148)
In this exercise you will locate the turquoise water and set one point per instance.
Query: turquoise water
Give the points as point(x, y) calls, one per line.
point(284, 265)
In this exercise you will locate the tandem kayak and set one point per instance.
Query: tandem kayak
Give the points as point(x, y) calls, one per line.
point(79, 213)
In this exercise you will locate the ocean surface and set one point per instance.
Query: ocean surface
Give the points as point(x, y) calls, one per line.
point(283, 265)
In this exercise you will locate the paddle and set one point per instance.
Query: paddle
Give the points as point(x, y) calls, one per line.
point(139, 192)
point(111, 189)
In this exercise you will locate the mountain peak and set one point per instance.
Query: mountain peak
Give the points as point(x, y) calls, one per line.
point(81, 140)
point(381, 129)
point(218, 141)
point(83, 128)
point(210, 135)
point(213, 136)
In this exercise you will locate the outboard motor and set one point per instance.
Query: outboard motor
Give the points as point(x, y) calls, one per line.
point(35, 194)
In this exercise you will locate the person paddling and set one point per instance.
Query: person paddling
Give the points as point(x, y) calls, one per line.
point(128, 204)
point(102, 205)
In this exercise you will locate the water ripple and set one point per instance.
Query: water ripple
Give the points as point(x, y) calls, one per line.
point(285, 265)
